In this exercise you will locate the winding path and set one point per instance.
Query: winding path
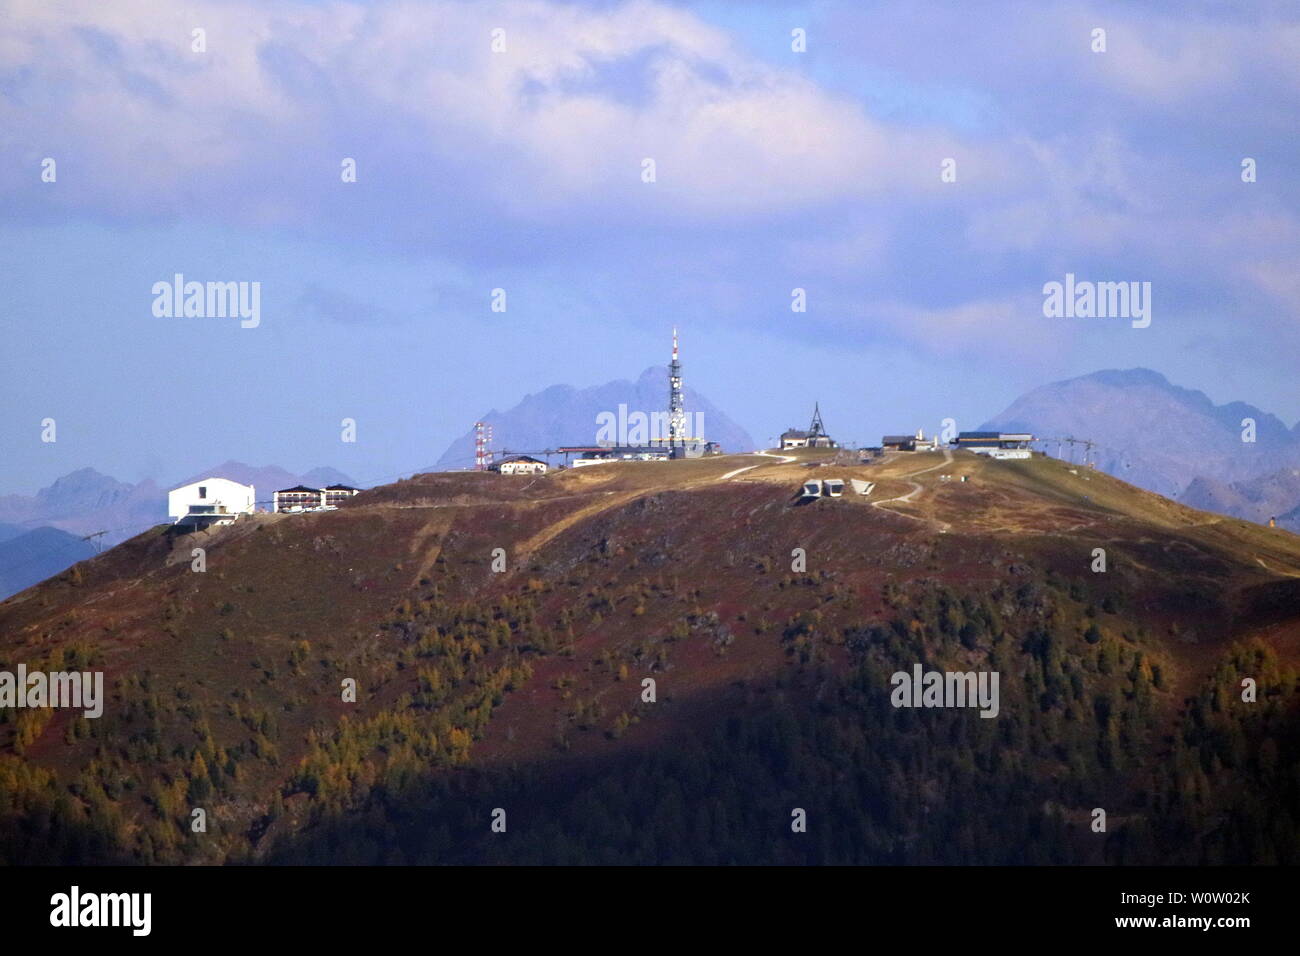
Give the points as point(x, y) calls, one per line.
point(781, 459)
point(916, 488)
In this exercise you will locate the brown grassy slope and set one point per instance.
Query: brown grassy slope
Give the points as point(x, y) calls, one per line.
point(663, 568)
point(1189, 579)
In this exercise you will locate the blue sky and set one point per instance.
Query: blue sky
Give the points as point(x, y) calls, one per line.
point(522, 170)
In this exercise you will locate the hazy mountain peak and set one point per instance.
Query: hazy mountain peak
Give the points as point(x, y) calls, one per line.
point(323, 475)
point(81, 490)
point(565, 415)
point(1127, 377)
point(80, 481)
point(1152, 432)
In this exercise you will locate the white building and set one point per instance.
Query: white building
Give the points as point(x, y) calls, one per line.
point(210, 501)
point(518, 465)
point(297, 498)
point(1004, 445)
point(302, 498)
point(337, 494)
point(1006, 454)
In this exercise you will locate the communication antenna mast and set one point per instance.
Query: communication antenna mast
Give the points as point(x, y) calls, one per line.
point(676, 406)
point(480, 446)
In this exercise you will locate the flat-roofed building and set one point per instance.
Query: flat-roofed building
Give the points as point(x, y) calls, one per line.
point(982, 441)
point(1003, 445)
point(337, 494)
point(298, 498)
point(210, 501)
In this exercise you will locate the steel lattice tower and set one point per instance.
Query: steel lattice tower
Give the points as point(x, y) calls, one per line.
point(676, 407)
point(816, 429)
point(480, 447)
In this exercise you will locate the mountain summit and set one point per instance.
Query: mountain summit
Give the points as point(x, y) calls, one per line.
point(643, 680)
point(1151, 432)
point(564, 415)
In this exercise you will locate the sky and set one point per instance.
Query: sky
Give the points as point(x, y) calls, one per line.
point(502, 145)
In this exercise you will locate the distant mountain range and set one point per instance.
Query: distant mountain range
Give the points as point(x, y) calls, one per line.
point(32, 556)
point(1149, 432)
point(86, 501)
point(564, 415)
point(270, 478)
point(1170, 440)
point(1274, 495)
point(41, 534)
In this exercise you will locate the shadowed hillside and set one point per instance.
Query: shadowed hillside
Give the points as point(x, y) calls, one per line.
point(523, 689)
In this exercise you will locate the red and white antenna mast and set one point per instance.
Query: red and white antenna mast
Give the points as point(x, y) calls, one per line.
point(480, 446)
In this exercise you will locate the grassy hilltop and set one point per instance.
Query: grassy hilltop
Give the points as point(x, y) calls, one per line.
point(523, 689)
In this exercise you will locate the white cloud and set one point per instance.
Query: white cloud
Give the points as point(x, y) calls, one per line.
point(561, 120)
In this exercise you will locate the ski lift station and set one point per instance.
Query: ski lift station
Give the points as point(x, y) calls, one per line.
point(834, 488)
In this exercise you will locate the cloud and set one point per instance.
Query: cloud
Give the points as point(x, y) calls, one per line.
point(254, 128)
point(523, 168)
